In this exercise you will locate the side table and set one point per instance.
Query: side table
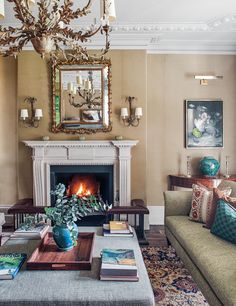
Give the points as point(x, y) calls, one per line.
point(187, 182)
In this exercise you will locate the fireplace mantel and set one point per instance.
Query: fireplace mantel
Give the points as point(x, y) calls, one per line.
point(91, 152)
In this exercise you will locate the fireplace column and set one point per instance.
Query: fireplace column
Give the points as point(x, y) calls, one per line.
point(124, 157)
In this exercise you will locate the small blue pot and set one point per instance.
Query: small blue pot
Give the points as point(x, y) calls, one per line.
point(209, 166)
point(65, 237)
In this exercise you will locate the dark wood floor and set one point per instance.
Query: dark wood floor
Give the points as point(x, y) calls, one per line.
point(156, 236)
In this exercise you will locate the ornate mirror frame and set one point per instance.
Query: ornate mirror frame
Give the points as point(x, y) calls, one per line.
point(76, 126)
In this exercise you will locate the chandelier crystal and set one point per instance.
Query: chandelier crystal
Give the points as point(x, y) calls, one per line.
point(49, 29)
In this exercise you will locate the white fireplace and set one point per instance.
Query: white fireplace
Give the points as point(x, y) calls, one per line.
point(65, 153)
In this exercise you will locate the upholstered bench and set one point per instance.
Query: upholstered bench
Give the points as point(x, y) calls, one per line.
point(77, 288)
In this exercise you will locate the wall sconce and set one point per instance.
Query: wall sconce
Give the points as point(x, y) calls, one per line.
point(205, 78)
point(131, 117)
point(35, 114)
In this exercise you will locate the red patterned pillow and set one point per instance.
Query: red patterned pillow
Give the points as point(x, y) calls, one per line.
point(201, 201)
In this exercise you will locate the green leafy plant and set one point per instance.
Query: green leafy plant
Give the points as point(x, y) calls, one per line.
point(69, 209)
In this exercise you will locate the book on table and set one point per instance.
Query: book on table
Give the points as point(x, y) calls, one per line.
point(10, 264)
point(118, 264)
point(119, 227)
point(107, 232)
point(36, 231)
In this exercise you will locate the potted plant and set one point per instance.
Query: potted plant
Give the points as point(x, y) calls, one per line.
point(67, 210)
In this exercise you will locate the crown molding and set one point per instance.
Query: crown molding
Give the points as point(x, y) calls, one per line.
point(170, 37)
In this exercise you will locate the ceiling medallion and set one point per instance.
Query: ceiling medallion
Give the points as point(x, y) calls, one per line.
point(46, 25)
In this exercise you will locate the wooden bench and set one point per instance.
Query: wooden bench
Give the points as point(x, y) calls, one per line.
point(137, 209)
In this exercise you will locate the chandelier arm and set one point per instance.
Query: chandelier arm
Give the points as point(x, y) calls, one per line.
point(67, 14)
point(13, 50)
point(69, 33)
point(48, 20)
point(22, 12)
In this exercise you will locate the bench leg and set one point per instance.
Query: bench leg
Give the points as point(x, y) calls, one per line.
point(140, 231)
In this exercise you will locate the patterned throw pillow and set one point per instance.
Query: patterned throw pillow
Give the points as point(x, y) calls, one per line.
point(224, 225)
point(201, 200)
point(218, 194)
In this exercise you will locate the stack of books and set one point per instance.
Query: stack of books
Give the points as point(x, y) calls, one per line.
point(119, 265)
point(36, 231)
point(117, 229)
point(10, 264)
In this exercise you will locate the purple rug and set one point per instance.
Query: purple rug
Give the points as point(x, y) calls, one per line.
point(171, 282)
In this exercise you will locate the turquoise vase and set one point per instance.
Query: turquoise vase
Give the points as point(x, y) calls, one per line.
point(209, 166)
point(65, 237)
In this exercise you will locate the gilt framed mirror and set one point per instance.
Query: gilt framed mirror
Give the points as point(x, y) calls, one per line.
point(81, 96)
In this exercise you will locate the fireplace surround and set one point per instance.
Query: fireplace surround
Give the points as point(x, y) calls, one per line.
point(49, 156)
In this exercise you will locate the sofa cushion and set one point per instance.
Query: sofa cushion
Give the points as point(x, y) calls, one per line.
point(224, 225)
point(230, 184)
point(217, 194)
point(214, 257)
point(201, 200)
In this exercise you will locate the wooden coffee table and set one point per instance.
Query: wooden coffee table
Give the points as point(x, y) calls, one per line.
point(82, 288)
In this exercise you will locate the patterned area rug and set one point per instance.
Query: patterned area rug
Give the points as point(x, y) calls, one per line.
point(171, 282)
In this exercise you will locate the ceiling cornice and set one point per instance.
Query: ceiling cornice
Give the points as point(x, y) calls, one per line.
point(172, 37)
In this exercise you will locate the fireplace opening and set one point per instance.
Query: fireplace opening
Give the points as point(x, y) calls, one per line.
point(85, 180)
point(83, 185)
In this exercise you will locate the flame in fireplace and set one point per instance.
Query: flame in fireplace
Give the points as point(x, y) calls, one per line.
point(83, 191)
point(83, 185)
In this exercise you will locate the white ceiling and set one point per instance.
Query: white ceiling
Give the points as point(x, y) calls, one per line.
point(166, 25)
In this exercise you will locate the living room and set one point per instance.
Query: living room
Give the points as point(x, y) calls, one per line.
point(157, 54)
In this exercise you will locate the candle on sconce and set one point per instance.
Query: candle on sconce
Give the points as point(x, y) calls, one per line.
point(124, 112)
point(74, 90)
point(87, 85)
point(38, 113)
point(138, 112)
point(70, 87)
point(24, 114)
point(79, 80)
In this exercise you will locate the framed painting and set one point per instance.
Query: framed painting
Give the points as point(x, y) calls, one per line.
point(204, 123)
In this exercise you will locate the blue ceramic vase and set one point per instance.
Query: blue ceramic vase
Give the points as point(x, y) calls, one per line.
point(209, 166)
point(65, 237)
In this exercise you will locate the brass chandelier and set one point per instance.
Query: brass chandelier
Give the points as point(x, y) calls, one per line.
point(50, 30)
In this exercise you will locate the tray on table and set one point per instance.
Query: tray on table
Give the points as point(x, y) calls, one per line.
point(47, 256)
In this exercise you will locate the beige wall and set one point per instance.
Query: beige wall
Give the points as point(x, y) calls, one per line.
point(170, 82)
point(160, 82)
point(128, 78)
point(8, 135)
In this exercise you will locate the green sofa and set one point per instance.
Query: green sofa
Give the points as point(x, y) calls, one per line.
point(210, 260)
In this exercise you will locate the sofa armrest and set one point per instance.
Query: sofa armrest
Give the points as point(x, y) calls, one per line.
point(177, 203)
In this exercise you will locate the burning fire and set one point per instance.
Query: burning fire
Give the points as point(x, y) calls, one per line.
point(82, 191)
point(83, 185)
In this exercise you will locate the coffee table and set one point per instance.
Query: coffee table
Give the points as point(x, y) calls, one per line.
point(82, 288)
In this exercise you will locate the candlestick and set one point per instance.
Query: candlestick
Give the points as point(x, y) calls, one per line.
point(189, 166)
point(227, 166)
